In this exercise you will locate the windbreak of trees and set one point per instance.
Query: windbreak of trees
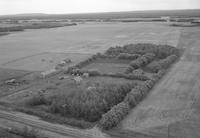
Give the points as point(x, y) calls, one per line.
point(162, 64)
point(161, 51)
point(11, 29)
point(140, 62)
point(27, 132)
point(114, 116)
point(128, 56)
point(86, 104)
point(133, 76)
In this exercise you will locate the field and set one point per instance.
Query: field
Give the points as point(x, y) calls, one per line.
point(44, 61)
point(84, 38)
point(109, 65)
point(36, 51)
point(172, 108)
point(97, 93)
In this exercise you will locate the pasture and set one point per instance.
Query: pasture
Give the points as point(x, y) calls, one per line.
point(44, 61)
point(172, 108)
point(108, 65)
point(83, 38)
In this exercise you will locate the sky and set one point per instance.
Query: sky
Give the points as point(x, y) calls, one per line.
point(89, 6)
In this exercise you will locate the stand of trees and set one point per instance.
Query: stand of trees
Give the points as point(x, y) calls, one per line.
point(128, 56)
point(162, 64)
point(86, 104)
point(140, 62)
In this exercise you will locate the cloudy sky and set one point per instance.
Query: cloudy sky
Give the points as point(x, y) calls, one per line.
point(82, 6)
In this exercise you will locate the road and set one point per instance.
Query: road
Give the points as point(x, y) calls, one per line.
point(39, 124)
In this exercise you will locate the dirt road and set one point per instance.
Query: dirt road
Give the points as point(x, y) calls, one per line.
point(42, 125)
point(173, 107)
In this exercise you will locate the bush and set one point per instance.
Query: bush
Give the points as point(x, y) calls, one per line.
point(56, 118)
point(114, 116)
point(91, 72)
point(86, 62)
point(158, 75)
point(127, 76)
point(154, 66)
point(160, 51)
point(129, 69)
point(11, 29)
point(138, 72)
point(26, 132)
point(38, 99)
point(138, 93)
point(136, 77)
point(128, 56)
point(162, 64)
point(168, 61)
point(114, 51)
point(133, 98)
point(142, 61)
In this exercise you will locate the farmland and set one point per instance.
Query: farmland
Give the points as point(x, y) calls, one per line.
point(172, 108)
point(84, 104)
point(84, 38)
point(116, 79)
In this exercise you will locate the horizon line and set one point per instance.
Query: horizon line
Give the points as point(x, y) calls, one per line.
point(96, 12)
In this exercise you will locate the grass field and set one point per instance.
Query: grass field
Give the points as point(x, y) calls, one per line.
point(83, 38)
point(44, 61)
point(172, 108)
point(6, 74)
point(109, 65)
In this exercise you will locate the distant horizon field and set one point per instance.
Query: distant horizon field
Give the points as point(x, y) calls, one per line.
point(106, 15)
point(88, 38)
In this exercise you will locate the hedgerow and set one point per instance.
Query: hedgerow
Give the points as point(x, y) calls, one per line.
point(162, 64)
point(56, 118)
point(128, 56)
point(114, 116)
point(91, 72)
point(27, 133)
point(127, 76)
point(36, 100)
point(140, 62)
point(161, 51)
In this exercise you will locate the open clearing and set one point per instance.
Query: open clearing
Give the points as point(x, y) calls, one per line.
point(83, 38)
point(6, 74)
point(109, 65)
point(172, 108)
point(44, 61)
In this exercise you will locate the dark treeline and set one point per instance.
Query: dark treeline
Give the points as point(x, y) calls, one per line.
point(110, 15)
point(87, 104)
point(33, 26)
